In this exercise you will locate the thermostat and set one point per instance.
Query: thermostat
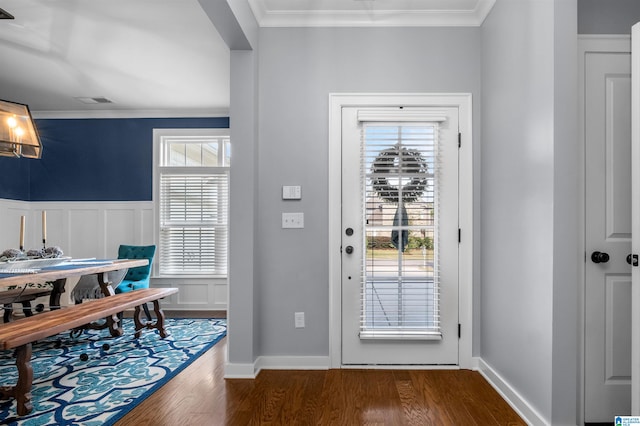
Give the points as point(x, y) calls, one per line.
point(291, 193)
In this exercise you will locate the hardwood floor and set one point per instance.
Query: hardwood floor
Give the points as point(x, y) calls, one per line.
point(201, 396)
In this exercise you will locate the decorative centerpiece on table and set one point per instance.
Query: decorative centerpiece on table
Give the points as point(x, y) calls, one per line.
point(13, 255)
point(15, 259)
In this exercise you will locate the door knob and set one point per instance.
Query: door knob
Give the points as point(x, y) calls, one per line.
point(599, 257)
point(349, 249)
point(632, 259)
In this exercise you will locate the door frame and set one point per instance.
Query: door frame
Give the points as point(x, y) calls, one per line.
point(463, 102)
point(635, 222)
point(588, 44)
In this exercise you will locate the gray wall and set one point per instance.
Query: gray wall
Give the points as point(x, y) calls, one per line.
point(607, 16)
point(243, 225)
point(567, 259)
point(517, 196)
point(529, 237)
point(298, 70)
point(524, 60)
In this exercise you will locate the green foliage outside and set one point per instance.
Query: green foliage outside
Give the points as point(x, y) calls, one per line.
point(415, 242)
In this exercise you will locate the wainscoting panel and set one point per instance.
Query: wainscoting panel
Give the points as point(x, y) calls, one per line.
point(195, 293)
point(96, 229)
point(120, 228)
point(10, 213)
point(147, 224)
point(85, 234)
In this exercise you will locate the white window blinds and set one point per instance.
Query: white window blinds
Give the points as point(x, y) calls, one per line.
point(194, 204)
point(400, 295)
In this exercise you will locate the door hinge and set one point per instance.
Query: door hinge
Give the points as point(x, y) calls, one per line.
point(459, 235)
point(459, 139)
point(459, 330)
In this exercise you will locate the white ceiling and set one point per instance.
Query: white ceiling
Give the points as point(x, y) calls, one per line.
point(163, 57)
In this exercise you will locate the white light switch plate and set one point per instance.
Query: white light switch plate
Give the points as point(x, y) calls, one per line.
point(293, 220)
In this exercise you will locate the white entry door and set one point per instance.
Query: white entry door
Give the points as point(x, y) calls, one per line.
point(607, 236)
point(400, 236)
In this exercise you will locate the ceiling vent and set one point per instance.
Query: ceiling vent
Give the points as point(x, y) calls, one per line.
point(96, 100)
point(5, 15)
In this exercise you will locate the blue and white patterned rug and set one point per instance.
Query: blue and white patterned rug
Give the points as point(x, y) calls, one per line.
point(99, 391)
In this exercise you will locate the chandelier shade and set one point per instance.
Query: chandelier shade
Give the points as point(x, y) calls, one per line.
point(18, 133)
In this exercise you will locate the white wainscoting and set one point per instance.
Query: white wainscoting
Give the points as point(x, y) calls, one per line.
point(96, 229)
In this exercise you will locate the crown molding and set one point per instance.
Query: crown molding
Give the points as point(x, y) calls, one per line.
point(196, 113)
point(371, 18)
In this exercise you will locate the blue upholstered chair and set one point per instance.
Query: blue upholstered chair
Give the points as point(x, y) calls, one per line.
point(138, 277)
point(123, 280)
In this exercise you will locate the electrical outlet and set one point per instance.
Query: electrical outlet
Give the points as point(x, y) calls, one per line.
point(299, 319)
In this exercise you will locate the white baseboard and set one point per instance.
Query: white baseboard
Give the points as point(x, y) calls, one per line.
point(513, 398)
point(250, 371)
point(239, 371)
point(292, 363)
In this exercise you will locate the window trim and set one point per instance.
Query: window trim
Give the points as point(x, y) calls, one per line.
point(158, 138)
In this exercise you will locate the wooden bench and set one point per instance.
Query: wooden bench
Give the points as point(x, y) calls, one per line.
point(21, 295)
point(21, 333)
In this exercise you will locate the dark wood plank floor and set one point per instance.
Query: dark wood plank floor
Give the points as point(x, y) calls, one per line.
point(201, 396)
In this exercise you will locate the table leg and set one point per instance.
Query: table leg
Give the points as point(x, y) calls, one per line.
point(105, 285)
point(22, 390)
point(26, 308)
point(158, 324)
point(58, 289)
point(25, 379)
point(8, 311)
point(137, 320)
point(113, 322)
point(115, 328)
point(159, 319)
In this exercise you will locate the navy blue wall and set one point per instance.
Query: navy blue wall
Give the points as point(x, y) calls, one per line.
point(92, 160)
point(14, 178)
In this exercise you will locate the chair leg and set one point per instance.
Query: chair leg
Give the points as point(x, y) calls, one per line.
point(146, 311)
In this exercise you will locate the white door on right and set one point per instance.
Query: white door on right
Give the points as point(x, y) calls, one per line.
point(607, 131)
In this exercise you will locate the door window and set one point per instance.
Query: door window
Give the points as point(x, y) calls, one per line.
point(399, 185)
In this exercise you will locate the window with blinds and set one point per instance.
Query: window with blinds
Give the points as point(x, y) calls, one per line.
point(193, 205)
point(400, 292)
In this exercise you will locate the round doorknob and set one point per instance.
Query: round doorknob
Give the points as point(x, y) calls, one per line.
point(349, 249)
point(599, 257)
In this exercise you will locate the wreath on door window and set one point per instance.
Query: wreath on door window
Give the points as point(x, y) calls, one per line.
point(405, 162)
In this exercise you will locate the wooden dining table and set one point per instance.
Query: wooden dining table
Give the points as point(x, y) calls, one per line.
point(58, 275)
